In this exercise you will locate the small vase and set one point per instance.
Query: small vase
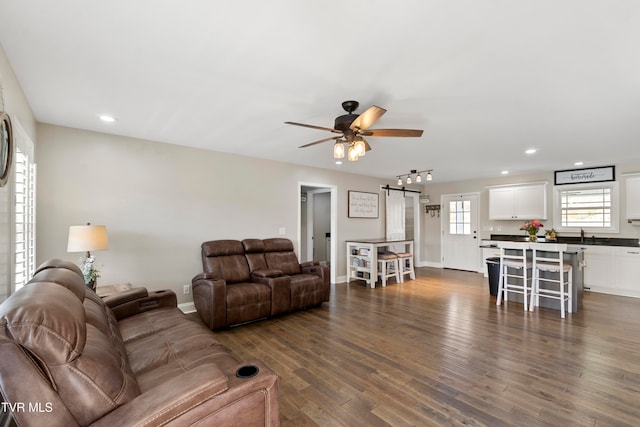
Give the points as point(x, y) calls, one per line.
point(533, 237)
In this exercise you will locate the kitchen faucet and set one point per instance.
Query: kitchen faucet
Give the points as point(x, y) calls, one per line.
point(581, 235)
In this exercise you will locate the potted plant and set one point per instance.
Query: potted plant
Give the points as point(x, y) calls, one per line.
point(532, 227)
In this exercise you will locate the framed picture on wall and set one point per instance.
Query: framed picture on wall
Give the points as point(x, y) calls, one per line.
point(6, 147)
point(363, 205)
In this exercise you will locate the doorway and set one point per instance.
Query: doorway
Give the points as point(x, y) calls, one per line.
point(460, 244)
point(317, 215)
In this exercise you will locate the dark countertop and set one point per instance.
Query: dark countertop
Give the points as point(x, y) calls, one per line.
point(588, 241)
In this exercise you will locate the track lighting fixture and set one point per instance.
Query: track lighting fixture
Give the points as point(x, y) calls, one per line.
point(418, 174)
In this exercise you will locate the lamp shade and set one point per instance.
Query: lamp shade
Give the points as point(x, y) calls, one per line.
point(84, 238)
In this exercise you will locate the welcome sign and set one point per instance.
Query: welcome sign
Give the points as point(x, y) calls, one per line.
point(582, 176)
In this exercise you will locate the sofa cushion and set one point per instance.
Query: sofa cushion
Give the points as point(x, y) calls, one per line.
point(278, 253)
point(254, 251)
point(307, 290)
point(247, 302)
point(162, 344)
point(226, 260)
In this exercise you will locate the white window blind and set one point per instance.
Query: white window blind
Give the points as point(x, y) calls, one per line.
point(25, 219)
point(23, 227)
point(587, 206)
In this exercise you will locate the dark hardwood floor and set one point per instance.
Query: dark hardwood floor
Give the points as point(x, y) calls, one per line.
point(437, 351)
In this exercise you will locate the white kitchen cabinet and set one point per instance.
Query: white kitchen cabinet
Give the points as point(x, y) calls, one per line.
point(627, 271)
point(612, 270)
point(518, 202)
point(599, 269)
point(633, 197)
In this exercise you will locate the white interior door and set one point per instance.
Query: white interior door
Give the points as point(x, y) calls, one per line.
point(460, 244)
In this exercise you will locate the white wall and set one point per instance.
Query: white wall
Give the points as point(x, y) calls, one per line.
point(161, 201)
point(431, 254)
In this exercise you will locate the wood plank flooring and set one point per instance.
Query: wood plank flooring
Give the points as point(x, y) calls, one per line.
point(438, 351)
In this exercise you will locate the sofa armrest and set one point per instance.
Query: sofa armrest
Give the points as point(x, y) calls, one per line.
point(204, 395)
point(210, 299)
point(270, 272)
point(125, 296)
point(153, 301)
point(309, 264)
point(209, 276)
point(170, 399)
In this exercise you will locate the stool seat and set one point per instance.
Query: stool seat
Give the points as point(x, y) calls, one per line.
point(388, 267)
point(405, 263)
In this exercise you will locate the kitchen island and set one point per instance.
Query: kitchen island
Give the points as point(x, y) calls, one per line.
point(574, 256)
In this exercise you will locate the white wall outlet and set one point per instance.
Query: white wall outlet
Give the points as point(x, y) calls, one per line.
point(186, 289)
point(282, 231)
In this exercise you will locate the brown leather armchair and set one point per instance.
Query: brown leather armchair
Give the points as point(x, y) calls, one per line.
point(248, 280)
point(69, 358)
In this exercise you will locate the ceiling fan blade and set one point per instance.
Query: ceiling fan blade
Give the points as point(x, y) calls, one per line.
point(369, 117)
point(313, 127)
point(320, 141)
point(393, 132)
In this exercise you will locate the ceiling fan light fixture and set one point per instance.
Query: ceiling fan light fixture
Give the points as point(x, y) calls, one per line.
point(418, 178)
point(338, 150)
point(409, 179)
point(352, 153)
point(429, 176)
point(360, 146)
point(399, 180)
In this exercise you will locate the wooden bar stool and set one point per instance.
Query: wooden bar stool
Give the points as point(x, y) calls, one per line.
point(549, 258)
point(405, 263)
point(388, 267)
point(513, 271)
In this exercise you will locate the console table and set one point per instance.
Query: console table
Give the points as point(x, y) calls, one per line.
point(362, 257)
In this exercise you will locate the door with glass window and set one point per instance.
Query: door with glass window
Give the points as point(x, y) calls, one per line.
point(460, 243)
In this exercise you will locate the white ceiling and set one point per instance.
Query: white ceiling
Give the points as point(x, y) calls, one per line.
point(485, 79)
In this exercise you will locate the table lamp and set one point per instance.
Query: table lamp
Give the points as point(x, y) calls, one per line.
point(88, 238)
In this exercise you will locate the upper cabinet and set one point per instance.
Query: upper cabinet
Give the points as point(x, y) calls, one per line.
point(521, 202)
point(633, 197)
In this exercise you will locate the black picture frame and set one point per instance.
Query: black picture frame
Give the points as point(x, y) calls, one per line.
point(585, 175)
point(6, 148)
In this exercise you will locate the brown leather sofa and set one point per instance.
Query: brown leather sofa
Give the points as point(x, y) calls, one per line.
point(253, 279)
point(69, 358)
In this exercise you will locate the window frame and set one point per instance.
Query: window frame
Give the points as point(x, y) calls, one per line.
point(615, 207)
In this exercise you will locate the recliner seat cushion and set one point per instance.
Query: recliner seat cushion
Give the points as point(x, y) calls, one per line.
point(247, 301)
point(307, 290)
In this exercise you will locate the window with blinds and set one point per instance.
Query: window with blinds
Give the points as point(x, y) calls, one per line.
point(25, 218)
point(593, 207)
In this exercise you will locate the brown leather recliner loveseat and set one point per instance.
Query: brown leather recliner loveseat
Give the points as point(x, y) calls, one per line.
point(70, 358)
point(254, 279)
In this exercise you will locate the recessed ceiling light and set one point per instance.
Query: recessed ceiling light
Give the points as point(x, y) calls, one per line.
point(578, 164)
point(338, 162)
point(106, 118)
point(530, 151)
point(504, 172)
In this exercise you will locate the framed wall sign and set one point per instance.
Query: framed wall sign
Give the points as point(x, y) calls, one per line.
point(582, 176)
point(6, 147)
point(363, 205)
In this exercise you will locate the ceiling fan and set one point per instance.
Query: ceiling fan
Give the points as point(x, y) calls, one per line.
point(353, 127)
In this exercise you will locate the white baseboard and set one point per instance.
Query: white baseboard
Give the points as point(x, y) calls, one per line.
point(187, 307)
point(430, 264)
